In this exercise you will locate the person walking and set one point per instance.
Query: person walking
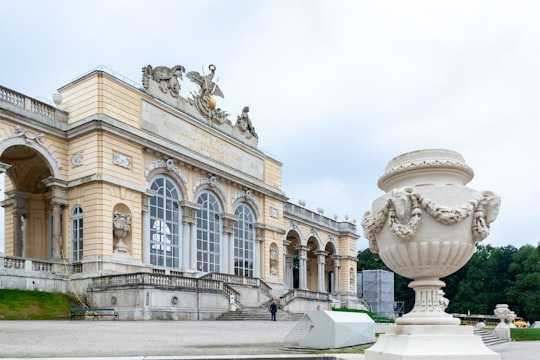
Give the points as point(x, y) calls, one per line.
point(273, 311)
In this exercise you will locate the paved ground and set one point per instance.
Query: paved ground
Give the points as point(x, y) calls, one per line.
point(136, 340)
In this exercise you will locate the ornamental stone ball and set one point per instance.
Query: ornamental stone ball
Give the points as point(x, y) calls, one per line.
point(427, 224)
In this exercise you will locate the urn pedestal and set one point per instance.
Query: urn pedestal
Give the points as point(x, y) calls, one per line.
point(425, 227)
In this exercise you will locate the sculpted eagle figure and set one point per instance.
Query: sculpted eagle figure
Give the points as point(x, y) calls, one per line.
point(208, 88)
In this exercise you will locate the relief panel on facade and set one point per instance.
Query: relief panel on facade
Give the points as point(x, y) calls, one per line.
point(200, 141)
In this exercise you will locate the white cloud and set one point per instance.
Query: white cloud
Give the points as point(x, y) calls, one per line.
point(335, 88)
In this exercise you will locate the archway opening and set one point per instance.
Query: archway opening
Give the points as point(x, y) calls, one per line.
point(312, 268)
point(28, 220)
point(330, 267)
point(292, 263)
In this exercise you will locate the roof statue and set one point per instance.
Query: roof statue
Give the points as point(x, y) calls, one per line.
point(163, 83)
point(205, 100)
point(166, 77)
point(243, 123)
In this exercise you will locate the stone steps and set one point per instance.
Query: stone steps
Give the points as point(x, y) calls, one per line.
point(488, 337)
point(248, 314)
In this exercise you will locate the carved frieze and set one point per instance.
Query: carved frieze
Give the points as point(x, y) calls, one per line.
point(77, 159)
point(122, 160)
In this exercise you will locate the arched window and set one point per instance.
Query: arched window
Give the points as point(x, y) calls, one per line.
point(77, 230)
point(165, 223)
point(208, 233)
point(244, 241)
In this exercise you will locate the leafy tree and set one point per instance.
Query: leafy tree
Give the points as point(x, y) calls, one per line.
point(493, 275)
point(370, 261)
point(525, 292)
point(482, 283)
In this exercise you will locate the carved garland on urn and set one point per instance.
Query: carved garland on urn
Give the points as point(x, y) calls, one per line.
point(403, 210)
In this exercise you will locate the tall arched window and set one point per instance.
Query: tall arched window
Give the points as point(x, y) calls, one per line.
point(165, 222)
point(77, 230)
point(208, 233)
point(244, 240)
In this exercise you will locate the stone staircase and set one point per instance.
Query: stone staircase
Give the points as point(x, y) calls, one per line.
point(488, 337)
point(258, 313)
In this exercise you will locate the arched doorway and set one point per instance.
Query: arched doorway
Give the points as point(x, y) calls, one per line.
point(312, 268)
point(32, 211)
point(292, 260)
point(331, 267)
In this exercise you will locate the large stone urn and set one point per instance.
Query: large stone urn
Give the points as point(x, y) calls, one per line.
point(121, 228)
point(425, 227)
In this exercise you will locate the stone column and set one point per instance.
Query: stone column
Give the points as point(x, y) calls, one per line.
point(257, 251)
point(189, 236)
point(186, 242)
point(145, 225)
point(289, 271)
point(3, 169)
point(19, 209)
point(302, 256)
point(321, 261)
point(228, 246)
point(58, 200)
point(287, 265)
point(225, 253)
point(336, 275)
point(193, 248)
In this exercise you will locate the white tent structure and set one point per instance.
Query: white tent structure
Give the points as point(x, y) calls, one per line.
point(335, 329)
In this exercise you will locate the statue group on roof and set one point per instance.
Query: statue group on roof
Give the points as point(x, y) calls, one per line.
point(204, 100)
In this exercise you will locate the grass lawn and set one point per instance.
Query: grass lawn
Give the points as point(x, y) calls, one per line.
point(33, 305)
point(522, 334)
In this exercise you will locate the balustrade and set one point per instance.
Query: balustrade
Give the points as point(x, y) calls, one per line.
point(41, 266)
point(35, 106)
point(17, 263)
point(13, 263)
point(11, 97)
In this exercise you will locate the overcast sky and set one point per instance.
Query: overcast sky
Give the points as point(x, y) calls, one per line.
point(336, 89)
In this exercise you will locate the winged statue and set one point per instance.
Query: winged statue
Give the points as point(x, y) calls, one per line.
point(208, 88)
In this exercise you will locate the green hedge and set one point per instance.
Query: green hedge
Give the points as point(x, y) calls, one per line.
point(375, 317)
point(525, 334)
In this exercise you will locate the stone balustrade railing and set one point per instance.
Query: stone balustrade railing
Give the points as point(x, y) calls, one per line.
point(34, 265)
point(303, 213)
point(162, 280)
point(18, 263)
point(32, 105)
point(240, 280)
point(303, 294)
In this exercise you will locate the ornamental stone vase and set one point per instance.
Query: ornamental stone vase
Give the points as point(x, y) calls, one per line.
point(121, 228)
point(426, 225)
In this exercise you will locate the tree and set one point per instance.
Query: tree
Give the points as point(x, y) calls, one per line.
point(482, 282)
point(525, 292)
